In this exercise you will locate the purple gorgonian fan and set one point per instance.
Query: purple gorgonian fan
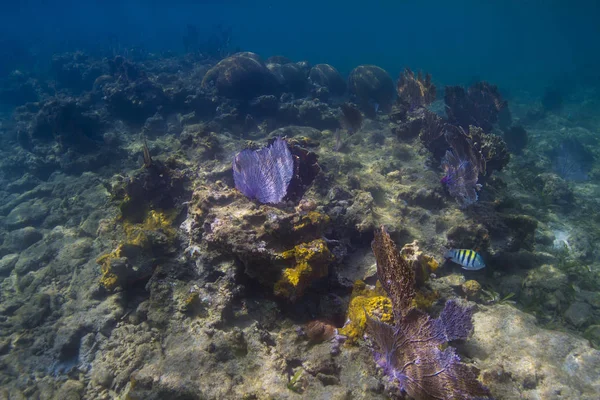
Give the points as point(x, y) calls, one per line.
point(264, 174)
point(413, 353)
point(460, 179)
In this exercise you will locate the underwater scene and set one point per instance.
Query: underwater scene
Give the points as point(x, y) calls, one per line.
point(299, 200)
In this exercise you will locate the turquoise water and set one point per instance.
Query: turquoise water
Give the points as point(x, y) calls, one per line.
point(256, 200)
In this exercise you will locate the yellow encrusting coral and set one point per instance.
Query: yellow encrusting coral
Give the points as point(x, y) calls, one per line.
point(136, 243)
point(372, 301)
point(154, 221)
point(311, 261)
point(312, 221)
point(109, 280)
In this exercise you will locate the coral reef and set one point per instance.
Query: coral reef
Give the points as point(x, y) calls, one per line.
point(136, 258)
point(131, 267)
point(292, 77)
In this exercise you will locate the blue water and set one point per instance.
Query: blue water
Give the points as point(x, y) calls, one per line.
point(519, 45)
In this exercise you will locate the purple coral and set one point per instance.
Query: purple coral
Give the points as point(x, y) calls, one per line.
point(411, 354)
point(264, 174)
point(460, 179)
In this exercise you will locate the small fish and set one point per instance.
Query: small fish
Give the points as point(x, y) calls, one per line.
point(468, 259)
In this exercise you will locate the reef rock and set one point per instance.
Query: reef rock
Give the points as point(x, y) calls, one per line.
point(520, 360)
point(69, 122)
point(76, 71)
point(280, 249)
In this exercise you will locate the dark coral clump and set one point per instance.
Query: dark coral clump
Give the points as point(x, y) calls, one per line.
point(156, 187)
point(516, 138)
point(480, 105)
point(292, 77)
point(306, 169)
point(413, 354)
point(68, 122)
point(351, 118)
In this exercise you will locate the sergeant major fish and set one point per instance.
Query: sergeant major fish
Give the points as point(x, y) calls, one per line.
point(468, 259)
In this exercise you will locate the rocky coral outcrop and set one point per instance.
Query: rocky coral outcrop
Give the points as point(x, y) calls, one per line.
point(519, 360)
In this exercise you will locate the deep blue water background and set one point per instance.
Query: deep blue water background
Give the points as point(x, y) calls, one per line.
point(519, 45)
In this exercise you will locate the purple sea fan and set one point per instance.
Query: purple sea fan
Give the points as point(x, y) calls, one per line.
point(411, 354)
point(460, 179)
point(264, 174)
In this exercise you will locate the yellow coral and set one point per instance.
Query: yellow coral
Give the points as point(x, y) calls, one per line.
point(311, 220)
point(136, 241)
point(155, 221)
point(471, 288)
point(109, 280)
point(371, 301)
point(311, 262)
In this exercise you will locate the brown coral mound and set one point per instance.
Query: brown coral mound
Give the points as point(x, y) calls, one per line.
point(370, 83)
point(241, 76)
point(327, 76)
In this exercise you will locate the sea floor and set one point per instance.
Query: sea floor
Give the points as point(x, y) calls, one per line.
point(131, 267)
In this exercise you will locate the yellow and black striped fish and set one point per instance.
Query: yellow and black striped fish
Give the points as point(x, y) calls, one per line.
point(468, 259)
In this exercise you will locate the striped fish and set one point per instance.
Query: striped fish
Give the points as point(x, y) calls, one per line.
point(468, 259)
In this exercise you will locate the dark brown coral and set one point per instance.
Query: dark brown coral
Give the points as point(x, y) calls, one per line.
point(415, 91)
point(351, 118)
point(480, 105)
point(395, 273)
